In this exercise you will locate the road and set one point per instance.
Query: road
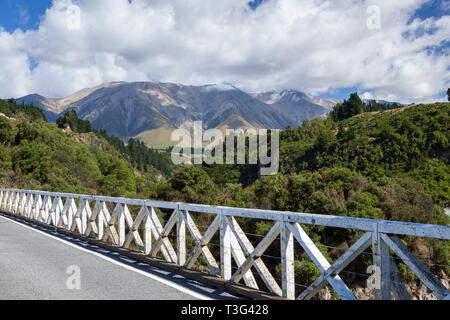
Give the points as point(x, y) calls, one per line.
point(38, 264)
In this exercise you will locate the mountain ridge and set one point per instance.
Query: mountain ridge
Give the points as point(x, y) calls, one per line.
point(131, 109)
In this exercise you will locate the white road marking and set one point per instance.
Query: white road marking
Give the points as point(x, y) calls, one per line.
point(148, 275)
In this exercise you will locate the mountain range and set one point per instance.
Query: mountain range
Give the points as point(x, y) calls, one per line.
point(150, 111)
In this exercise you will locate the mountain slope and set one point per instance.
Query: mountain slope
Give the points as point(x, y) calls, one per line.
point(139, 109)
point(297, 105)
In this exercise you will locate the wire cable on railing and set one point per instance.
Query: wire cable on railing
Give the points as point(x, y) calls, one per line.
point(347, 272)
point(412, 286)
point(364, 252)
point(321, 245)
point(401, 260)
point(280, 280)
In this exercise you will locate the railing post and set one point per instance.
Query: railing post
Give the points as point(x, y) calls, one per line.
point(83, 215)
point(8, 202)
point(287, 261)
point(37, 202)
point(2, 194)
point(11, 202)
point(7, 199)
point(121, 225)
point(22, 204)
point(69, 213)
point(18, 209)
point(4, 200)
point(181, 238)
point(100, 221)
point(4, 197)
point(382, 261)
point(42, 209)
point(29, 205)
point(55, 211)
point(14, 203)
point(25, 200)
point(46, 208)
point(225, 248)
point(147, 231)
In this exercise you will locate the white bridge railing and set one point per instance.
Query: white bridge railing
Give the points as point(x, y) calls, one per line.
point(90, 216)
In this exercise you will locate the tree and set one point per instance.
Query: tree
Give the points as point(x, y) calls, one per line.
point(355, 105)
point(76, 124)
point(348, 108)
point(10, 108)
point(448, 94)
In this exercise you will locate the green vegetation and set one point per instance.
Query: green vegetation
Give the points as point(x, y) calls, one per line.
point(348, 108)
point(38, 155)
point(391, 163)
point(354, 106)
point(373, 105)
point(10, 109)
point(70, 119)
point(410, 143)
point(144, 159)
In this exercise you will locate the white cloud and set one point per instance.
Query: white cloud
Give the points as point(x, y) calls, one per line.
point(310, 45)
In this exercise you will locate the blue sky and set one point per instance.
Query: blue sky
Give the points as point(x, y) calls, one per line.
point(26, 15)
point(435, 8)
point(22, 14)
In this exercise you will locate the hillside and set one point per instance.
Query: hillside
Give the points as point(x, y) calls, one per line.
point(406, 142)
point(151, 110)
point(38, 155)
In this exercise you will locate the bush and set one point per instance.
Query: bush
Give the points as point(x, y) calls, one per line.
point(32, 159)
point(117, 179)
point(7, 134)
point(319, 203)
point(194, 184)
point(305, 271)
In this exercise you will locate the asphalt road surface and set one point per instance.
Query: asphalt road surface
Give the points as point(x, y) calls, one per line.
point(38, 264)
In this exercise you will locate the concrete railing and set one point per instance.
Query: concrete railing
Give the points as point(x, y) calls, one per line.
point(90, 216)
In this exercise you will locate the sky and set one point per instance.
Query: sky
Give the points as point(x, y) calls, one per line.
point(382, 49)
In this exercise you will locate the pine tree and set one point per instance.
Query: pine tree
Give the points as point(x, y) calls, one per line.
point(348, 108)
